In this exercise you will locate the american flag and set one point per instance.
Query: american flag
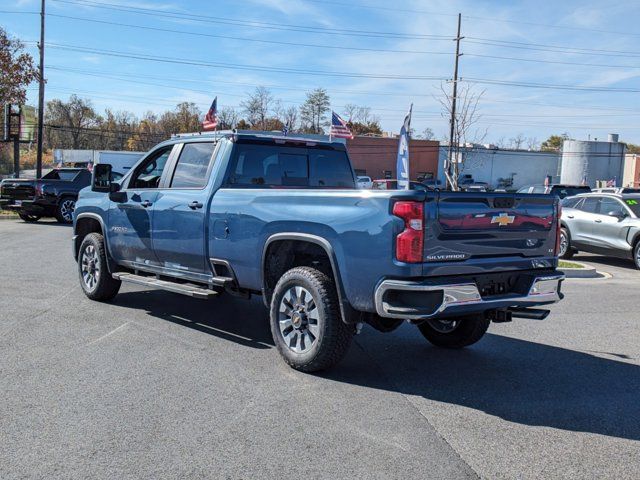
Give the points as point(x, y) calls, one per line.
point(612, 182)
point(211, 118)
point(339, 127)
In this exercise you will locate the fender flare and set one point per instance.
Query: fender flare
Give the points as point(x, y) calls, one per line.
point(348, 313)
point(111, 265)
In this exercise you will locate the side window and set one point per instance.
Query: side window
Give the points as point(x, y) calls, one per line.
point(193, 165)
point(539, 189)
point(261, 165)
point(330, 168)
point(590, 205)
point(570, 202)
point(149, 173)
point(610, 205)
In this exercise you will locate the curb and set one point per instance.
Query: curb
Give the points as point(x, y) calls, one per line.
point(586, 272)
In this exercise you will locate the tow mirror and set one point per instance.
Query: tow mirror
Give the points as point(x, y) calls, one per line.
point(101, 178)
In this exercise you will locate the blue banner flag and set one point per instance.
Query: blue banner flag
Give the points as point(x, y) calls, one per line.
point(403, 153)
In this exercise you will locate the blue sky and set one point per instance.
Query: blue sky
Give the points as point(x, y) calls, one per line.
point(399, 39)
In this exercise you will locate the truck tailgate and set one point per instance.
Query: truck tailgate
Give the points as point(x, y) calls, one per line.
point(461, 226)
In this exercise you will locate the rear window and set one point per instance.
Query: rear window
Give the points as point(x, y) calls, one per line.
point(61, 175)
point(634, 205)
point(280, 166)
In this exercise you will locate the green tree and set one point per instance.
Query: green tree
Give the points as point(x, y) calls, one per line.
point(17, 70)
point(554, 142)
point(314, 110)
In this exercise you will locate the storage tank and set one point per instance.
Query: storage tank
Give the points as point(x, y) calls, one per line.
point(587, 161)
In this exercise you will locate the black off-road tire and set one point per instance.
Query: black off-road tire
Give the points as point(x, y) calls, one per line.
point(64, 210)
point(467, 332)
point(570, 252)
point(29, 218)
point(334, 336)
point(105, 287)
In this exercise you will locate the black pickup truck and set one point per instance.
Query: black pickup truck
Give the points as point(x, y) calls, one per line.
point(53, 195)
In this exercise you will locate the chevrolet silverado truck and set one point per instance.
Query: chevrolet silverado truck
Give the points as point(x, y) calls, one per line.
point(53, 195)
point(251, 213)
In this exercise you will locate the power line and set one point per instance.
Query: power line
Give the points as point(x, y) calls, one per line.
point(549, 86)
point(235, 66)
point(555, 62)
point(251, 23)
point(245, 39)
point(554, 48)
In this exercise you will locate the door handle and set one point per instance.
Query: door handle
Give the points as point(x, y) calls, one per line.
point(195, 204)
point(569, 216)
point(598, 221)
point(146, 204)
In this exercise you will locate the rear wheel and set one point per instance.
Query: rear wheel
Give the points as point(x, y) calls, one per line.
point(565, 244)
point(64, 212)
point(28, 217)
point(306, 324)
point(95, 279)
point(455, 333)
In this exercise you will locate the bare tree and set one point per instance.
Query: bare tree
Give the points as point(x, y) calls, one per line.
point(290, 118)
point(517, 142)
point(258, 107)
point(228, 118)
point(350, 111)
point(464, 128)
point(532, 143)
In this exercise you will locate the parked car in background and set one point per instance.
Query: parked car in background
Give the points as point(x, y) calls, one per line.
point(364, 182)
point(607, 224)
point(558, 190)
point(392, 184)
point(280, 217)
point(54, 195)
point(619, 190)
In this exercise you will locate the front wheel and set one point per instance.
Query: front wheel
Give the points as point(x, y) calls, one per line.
point(306, 324)
point(64, 212)
point(455, 333)
point(95, 279)
point(636, 255)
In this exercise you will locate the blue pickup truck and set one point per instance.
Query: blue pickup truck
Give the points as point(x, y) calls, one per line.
point(251, 213)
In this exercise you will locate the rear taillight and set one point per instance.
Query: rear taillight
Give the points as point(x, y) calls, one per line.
point(558, 228)
point(410, 243)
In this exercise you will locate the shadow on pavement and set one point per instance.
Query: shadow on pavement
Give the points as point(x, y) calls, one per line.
point(609, 261)
point(236, 320)
point(517, 380)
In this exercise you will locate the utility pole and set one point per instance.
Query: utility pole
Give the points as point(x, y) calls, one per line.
point(452, 167)
point(40, 96)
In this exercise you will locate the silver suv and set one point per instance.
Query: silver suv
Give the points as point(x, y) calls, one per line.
point(603, 223)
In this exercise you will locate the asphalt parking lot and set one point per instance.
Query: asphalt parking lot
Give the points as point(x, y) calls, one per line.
point(156, 385)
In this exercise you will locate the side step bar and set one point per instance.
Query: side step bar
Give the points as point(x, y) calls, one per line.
point(184, 289)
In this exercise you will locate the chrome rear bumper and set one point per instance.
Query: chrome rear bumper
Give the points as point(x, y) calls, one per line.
point(448, 299)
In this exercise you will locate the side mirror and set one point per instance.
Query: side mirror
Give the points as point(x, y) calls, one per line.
point(619, 214)
point(101, 178)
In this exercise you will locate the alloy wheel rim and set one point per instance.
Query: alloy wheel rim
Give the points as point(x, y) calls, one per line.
point(67, 208)
point(444, 326)
point(90, 267)
point(298, 319)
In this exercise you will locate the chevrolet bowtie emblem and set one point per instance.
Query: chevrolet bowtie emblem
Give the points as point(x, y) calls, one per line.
point(503, 219)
